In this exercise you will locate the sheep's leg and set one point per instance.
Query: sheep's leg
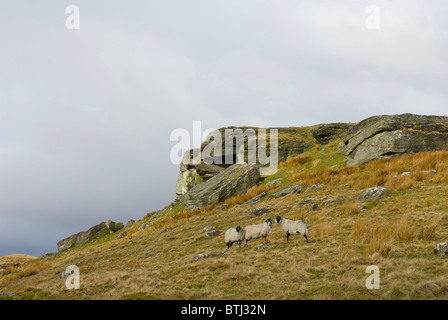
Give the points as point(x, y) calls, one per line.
point(287, 236)
point(306, 238)
point(239, 244)
point(246, 245)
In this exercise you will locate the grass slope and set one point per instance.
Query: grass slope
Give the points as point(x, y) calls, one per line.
point(396, 233)
point(16, 258)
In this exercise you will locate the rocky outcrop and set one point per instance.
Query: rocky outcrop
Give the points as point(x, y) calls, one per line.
point(298, 188)
point(274, 182)
point(223, 207)
point(129, 223)
point(100, 230)
point(236, 179)
point(256, 212)
point(192, 175)
point(256, 199)
point(373, 193)
point(391, 135)
point(291, 142)
point(317, 186)
point(207, 255)
point(327, 132)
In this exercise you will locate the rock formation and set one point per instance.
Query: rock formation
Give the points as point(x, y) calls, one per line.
point(238, 178)
point(324, 133)
point(298, 188)
point(102, 229)
point(392, 135)
point(373, 193)
point(291, 142)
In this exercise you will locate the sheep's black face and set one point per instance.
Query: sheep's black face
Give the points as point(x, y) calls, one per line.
point(278, 219)
point(269, 221)
point(238, 229)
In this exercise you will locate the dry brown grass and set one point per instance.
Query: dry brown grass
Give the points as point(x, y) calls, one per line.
point(316, 162)
point(428, 232)
point(150, 214)
point(325, 229)
point(16, 258)
point(252, 192)
point(385, 173)
point(350, 208)
point(28, 270)
point(210, 210)
point(8, 270)
point(397, 233)
point(380, 235)
point(296, 161)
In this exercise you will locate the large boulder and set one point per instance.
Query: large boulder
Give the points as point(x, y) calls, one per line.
point(100, 230)
point(236, 179)
point(391, 135)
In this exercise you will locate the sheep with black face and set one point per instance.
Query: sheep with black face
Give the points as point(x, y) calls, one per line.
point(255, 231)
point(293, 227)
point(234, 234)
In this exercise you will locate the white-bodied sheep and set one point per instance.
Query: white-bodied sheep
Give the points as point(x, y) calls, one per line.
point(293, 227)
point(234, 234)
point(256, 231)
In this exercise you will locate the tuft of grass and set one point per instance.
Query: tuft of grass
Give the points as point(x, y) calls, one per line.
point(252, 192)
point(380, 235)
point(296, 161)
point(350, 208)
point(325, 229)
point(316, 162)
point(428, 232)
point(8, 270)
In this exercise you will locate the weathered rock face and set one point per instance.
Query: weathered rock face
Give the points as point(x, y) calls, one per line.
point(192, 175)
point(102, 229)
point(291, 142)
point(327, 132)
point(236, 179)
point(390, 135)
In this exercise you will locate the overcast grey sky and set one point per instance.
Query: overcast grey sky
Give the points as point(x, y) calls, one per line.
point(86, 115)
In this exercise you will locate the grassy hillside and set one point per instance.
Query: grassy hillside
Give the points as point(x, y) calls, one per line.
point(396, 233)
point(16, 258)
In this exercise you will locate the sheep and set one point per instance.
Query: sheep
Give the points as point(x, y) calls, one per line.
point(234, 234)
point(293, 227)
point(256, 231)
